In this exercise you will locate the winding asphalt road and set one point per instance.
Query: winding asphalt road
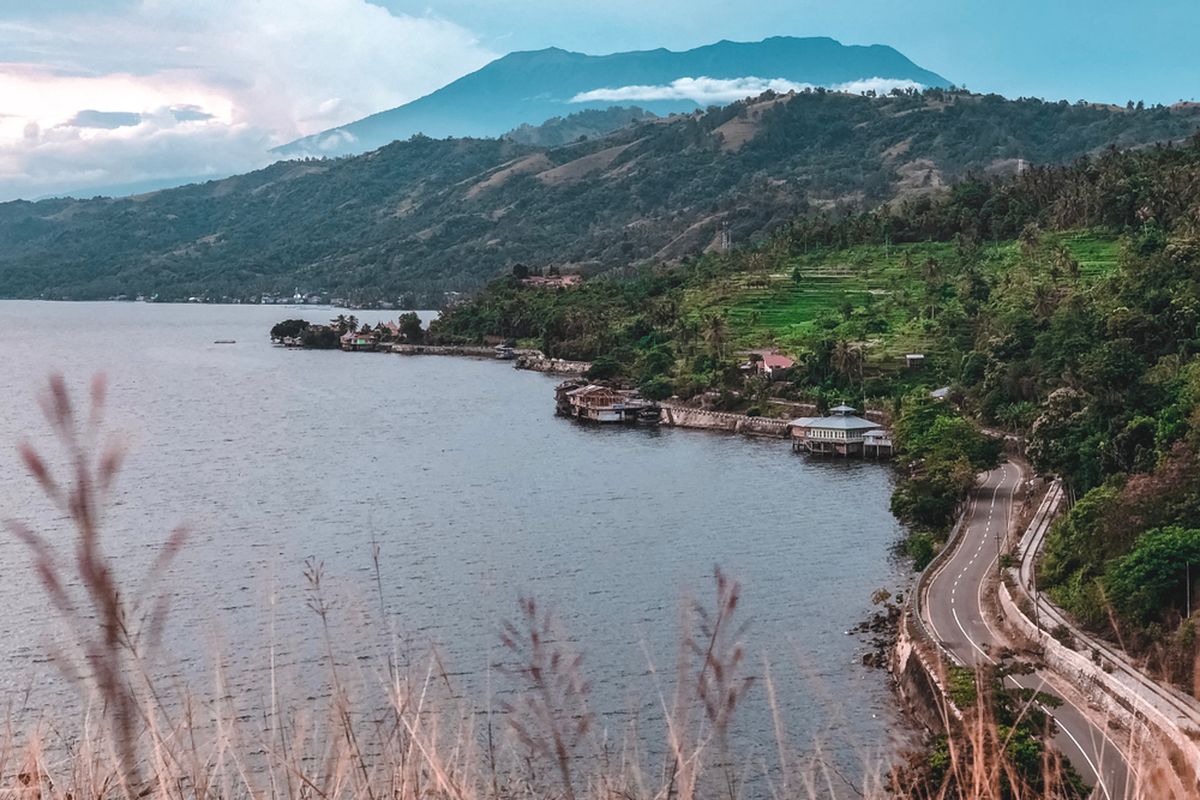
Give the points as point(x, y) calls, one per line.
point(953, 611)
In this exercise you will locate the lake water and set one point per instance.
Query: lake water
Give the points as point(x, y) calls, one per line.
point(476, 494)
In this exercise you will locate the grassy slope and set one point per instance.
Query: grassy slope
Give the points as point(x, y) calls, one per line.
point(772, 308)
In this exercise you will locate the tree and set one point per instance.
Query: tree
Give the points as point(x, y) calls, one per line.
point(846, 358)
point(930, 497)
point(410, 328)
point(1153, 578)
point(716, 329)
point(288, 329)
point(520, 271)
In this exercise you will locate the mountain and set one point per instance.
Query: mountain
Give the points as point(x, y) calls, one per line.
point(527, 88)
point(427, 216)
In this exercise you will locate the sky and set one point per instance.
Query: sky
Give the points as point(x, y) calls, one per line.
point(111, 93)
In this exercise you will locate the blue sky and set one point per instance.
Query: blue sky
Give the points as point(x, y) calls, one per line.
point(189, 88)
point(1059, 49)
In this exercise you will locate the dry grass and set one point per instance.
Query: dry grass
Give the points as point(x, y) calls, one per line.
point(131, 737)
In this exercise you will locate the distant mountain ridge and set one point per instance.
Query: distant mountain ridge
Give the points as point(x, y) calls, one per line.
point(426, 216)
point(528, 88)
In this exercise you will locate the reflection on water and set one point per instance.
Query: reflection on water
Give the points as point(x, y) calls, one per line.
point(476, 494)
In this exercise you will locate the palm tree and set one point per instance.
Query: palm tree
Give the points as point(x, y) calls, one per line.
point(846, 358)
point(716, 330)
point(932, 273)
point(1065, 262)
point(1044, 300)
point(1030, 238)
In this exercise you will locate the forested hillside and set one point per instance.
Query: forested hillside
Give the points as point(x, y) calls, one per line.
point(427, 216)
point(1062, 304)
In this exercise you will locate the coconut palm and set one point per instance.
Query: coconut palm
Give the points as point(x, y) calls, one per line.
point(716, 331)
point(1045, 298)
point(846, 358)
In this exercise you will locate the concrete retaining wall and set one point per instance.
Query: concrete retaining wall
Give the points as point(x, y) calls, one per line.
point(919, 679)
point(683, 417)
point(1104, 690)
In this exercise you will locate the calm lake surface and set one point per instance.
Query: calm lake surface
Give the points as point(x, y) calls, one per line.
point(476, 494)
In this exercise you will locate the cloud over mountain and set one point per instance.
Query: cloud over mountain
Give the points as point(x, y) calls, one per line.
point(719, 91)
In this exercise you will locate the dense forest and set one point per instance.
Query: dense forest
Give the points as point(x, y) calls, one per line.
point(428, 216)
point(1062, 304)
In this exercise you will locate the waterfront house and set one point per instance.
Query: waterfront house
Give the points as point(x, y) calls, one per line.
point(595, 403)
point(877, 444)
point(839, 434)
point(351, 340)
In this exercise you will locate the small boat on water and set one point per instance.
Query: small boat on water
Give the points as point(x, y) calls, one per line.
point(225, 341)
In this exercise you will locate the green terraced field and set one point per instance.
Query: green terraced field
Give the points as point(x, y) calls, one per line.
point(783, 306)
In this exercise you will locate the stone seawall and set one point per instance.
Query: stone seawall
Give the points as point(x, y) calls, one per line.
point(475, 351)
point(533, 360)
point(537, 362)
point(684, 417)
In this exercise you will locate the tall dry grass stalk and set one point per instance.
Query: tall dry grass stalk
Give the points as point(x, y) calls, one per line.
point(132, 737)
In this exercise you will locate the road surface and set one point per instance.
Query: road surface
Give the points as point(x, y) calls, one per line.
point(953, 611)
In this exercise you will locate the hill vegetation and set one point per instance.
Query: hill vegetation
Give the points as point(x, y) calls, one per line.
point(1062, 304)
point(428, 216)
point(581, 125)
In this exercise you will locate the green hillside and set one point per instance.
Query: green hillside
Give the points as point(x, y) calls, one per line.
point(1062, 304)
point(784, 305)
point(427, 216)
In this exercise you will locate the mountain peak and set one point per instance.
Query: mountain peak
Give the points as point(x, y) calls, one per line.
point(531, 86)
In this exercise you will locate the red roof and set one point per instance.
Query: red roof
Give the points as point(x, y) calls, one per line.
point(776, 361)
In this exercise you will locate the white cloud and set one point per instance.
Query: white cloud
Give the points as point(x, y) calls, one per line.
point(877, 85)
point(706, 91)
point(245, 75)
point(68, 158)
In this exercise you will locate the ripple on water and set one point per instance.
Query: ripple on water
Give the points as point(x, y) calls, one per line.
point(475, 493)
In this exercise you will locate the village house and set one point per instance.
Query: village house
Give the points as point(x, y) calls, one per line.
point(353, 341)
point(840, 434)
point(596, 403)
point(766, 363)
